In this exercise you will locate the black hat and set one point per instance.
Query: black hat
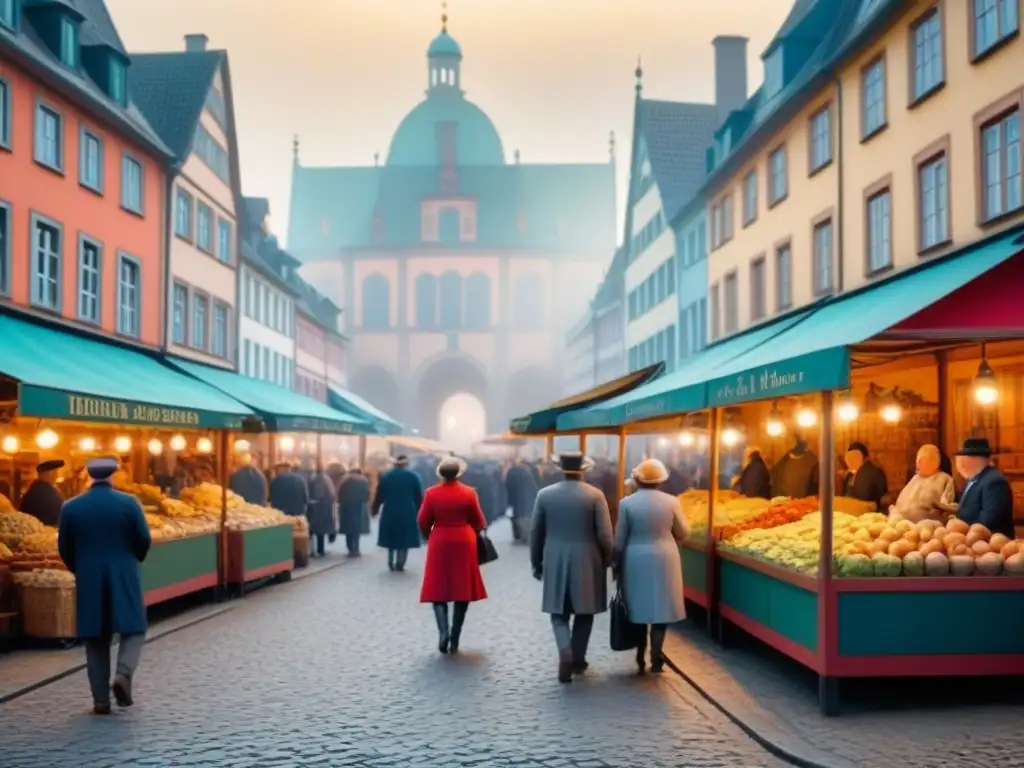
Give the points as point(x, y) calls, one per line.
point(572, 461)
point(401, 460)
point(856, 445)
point(976, 446)
point(49, 466)
point(101, 469)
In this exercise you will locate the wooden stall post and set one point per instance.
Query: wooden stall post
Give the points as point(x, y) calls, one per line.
point(828, 641)
point(319, 453)
point(621, 460)
point(224, 471)
point(942, 373)
point(713, 619)
point(583, 442)
point(362, 452)
point(549, 447)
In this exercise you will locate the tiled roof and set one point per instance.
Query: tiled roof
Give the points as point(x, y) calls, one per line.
point(676, 135)
point(171, 89)
point(97, 28)
point(542, 207)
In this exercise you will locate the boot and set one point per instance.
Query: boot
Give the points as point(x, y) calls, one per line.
point(122, 689)
point(441, 616)
point(391, 559)
point(657, 643)
point(565, 667)
point(458, 619)
point(641, 650)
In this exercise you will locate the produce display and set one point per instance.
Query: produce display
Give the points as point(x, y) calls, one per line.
point(45, 577)
point(18, 524)
point(43, 542)
point(793, 545)
point(779, 513)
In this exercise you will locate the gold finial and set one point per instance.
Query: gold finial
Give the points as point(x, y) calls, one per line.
point(444, 16)
point(295, 148)
point(639, 75)
point(611, 145)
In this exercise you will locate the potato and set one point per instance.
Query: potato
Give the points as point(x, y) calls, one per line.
point(900, 548)
point(962, 550)
point(981, 548)
point(875, 529)
point(1009, 550)
point(951, 540)
point(925, 533)
point(957, 526)
point(939, 532)
point(931, 546)
point(981, 531)
point(998, 541)
point(903, 526)
point(913, 536)
point(889, 534)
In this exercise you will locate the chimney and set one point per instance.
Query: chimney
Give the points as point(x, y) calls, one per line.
point(196, 43)
point(730, 73)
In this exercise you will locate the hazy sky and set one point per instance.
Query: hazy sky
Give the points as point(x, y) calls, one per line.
point(555, 76)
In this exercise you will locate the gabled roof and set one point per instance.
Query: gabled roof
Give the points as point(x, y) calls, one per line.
point(171, 89)
point(676, 135)
point(97, 28)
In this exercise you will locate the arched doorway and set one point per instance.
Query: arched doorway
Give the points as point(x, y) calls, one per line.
point(452, 401)
point(378, 387)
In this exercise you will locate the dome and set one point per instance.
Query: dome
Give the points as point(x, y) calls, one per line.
point(444, 45)
point(477, 140)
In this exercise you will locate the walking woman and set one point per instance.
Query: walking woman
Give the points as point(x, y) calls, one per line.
point(451, 519)
point(650, 529)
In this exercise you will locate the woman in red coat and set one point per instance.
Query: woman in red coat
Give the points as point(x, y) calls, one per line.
point(450, 519)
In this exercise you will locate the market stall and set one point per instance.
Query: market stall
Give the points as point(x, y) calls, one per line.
point(911, 365)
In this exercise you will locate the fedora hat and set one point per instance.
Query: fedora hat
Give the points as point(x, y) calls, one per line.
point(448, 465)
point(976, 446)
point(650, 472)
point(572, 461)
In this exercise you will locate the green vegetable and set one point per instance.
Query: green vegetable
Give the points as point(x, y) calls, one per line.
point(887, 565)
point(913, 564)
point(856, 566)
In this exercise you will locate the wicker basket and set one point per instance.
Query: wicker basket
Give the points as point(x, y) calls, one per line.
point(48, 612)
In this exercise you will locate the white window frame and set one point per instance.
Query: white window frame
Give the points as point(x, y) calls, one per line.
point(181, 341)
point(200, 300)
point(778, 175)
point(43, 113)
point(129, 203)
point(879, 231)
point(204, 235)
point(85, 242)
point(928, 70)
point(821, 138)
point(749, 198)
point(874, 110)
point(6, 111)
point(999, 18)
point(933, 200)
point(1002, 192)
point(86, 137)
point(822, 250)
point(129, 297)
point(37, 221)
point(184, 226)
point(220, 306)
point(784, 277)
point(225, 249)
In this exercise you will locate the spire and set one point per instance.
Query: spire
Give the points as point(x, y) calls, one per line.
point(639, 72)
point(376, 159)
point(444, 17)
point(611, 147)
point(295, 149)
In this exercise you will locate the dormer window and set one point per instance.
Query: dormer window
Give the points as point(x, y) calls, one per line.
point(118, 89)
point(773, 73)
point(69, 42)
point(7, 13)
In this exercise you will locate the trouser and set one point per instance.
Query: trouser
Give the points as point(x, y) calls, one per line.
point(572, 635)
point(97, 661)
point(657, 642)
point(352, 542)
point(397, 558)
point(520, 528)
point(318, 543)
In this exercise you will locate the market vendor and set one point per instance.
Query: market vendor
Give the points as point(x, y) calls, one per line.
point(249, 483)
point(987, 497)
point(289, 491)
point(930, 493)
point(864, 480)
point(796, 474)
point(754, 480)
point(42, 500)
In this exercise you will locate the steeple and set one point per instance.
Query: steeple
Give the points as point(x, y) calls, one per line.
point(611, 147)
point(639, 72)
point(295, 149)
point(444, 61)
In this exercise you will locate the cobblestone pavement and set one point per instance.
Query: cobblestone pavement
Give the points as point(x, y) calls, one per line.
point(341, 670)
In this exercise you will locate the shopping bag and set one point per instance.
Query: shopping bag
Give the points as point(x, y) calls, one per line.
point(485, 551)
point(625, 636)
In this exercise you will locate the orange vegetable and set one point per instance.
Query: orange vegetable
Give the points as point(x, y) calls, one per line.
point(900, 548)
point(981, 531)
point(951, 540)
point(998, 541)
point(931, 546)
point(1011, 549)
point(981, 548)
point(957, 526)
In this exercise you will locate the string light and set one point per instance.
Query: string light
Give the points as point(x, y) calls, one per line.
point(178, 443)
point(204, 445)
point(730, 437)
point(47, 439)
point(806, 418)
point(686, 438)
point(892, 413)
point(242, 445)
point(286, 443)
point(774, 426)
point(122, 444)
point(155, 447)
point(10, 444)
point(87, 444)
point(848, 410)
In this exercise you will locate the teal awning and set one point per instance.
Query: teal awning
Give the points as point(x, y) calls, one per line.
point(281, 409)
point(354, 405)
point(815, 354)
point(546, 421)
point(63, 375)
point(682, 391)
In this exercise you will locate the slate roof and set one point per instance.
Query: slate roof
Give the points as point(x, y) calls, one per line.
point(677, 135)
point(562, 207)
point(97, 28)
point(170, 89)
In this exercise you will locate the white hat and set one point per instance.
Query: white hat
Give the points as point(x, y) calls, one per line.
point(650, 472)
point(449, 463)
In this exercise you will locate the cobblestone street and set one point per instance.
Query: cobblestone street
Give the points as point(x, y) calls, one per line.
point(341, 670)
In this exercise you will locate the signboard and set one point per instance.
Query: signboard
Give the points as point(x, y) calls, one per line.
point(817, 372)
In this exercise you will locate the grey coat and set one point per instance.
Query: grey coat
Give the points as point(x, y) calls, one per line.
point(650, 529)
point(571, 545)
point(354, 506)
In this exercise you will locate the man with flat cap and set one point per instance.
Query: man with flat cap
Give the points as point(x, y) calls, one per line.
point(42, 500)
point(103, 537)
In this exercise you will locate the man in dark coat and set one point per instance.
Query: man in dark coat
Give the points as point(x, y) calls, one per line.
point(320, 512)
point(354, 509)
point(755, 481)
point(522, 490)
point(864, 480)
point(42, 500)
point(103, 537)
point(289, 491)
point(249, 483)
point(400, 494)
point(987, 497)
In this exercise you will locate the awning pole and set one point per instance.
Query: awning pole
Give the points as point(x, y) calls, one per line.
point(827, 642)
point(362, 452)
point(583, 442)
point(620, 488)
point(549, 446)
point(319, 453)
point(709, 538)
point(223, 470)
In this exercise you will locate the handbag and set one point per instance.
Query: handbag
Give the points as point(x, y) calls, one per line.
point(485, 550)
point(625, 635)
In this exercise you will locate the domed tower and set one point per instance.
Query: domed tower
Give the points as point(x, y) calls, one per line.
point(444, 58)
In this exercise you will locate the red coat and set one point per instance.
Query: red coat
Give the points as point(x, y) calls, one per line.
point(450, 517)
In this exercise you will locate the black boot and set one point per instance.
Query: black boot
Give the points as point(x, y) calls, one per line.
point(458, 619)
point(441, 615)
point(641, 650)
point(391, 559)
point(657, 643)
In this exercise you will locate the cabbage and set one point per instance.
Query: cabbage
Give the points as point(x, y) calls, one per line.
point(887, 565)
point(913, 564)
point(855, 566)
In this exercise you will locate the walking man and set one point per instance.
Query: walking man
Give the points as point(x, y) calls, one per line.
point(103, 537)
point(400, 494)
point(354, 509)
point(571, 546)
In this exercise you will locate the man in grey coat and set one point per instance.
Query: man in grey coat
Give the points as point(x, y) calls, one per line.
point(571, 547)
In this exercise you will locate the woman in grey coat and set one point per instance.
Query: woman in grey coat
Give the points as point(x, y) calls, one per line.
point(650, 529)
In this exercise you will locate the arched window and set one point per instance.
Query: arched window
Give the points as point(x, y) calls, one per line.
point(478, 302)
point(376, 302)
point(451, 300)
point(528, 301)
point(449, 225)
point(426, 302)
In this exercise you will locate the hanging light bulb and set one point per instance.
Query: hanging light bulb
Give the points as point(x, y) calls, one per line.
point(204, 445)
point(662, 442)
point(702, 441)
point(155, 447)
point(286, 443)
point(730, 437)
point(891, 413)
point(47, 439)
point(848, 410)
point(686, 438)
point(10, 444)
point(986, 389)
point(773, 425)
point(242, 445)
point(806, 418)
point(178, 443)
point(122, 444)
point(87, 444)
